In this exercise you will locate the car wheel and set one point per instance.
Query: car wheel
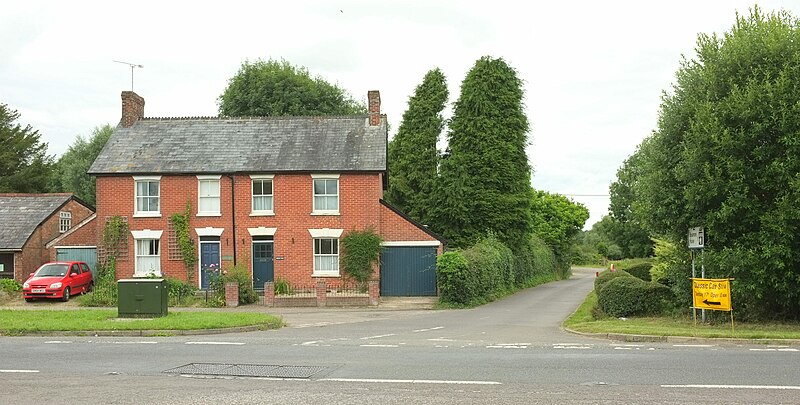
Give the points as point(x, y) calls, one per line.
point(90, 287)
point(65, 298)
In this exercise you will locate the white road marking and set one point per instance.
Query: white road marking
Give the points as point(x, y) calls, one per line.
point(788, 350)
point(378, 336)
point(763, 350)
point(429, 329)
point(626, 348)
point(621, 345)
point(749, 387)
point(317, 324)
point(571, 346)
point(135, 343)
point(693, 345)
point(441, 340)
point(509, 346)
point(379, 345)
point(19, 371)
point(216, 343)
point(57, 342)
point(311, 343)
point(377, 380)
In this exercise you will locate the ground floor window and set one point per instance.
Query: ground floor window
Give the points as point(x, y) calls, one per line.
point(148, 257)
point(326, 257)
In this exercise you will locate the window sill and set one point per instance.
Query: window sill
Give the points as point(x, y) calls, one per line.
point(209, 214)
point(262, 214)
point(147, 215)
point(147, 275)
point(325, 275)
point(322, 213)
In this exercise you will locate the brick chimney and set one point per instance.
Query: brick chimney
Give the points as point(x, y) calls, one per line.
point(374, 106)
point(133, 108)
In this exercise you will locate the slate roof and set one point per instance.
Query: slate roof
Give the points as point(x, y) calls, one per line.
point(20, 214)
point(236, 145)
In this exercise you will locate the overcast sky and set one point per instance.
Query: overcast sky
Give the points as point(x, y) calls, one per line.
point(594, 71)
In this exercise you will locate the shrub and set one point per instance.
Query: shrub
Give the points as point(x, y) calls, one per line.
point(625, 296)
point(453, 279)
point(640, 271)
point(104, 291)
point(180, 292)
point(532, 261)
point(360, 250)
point(238, 274)
point(607, 276)
point(10, 285)
point(282, 287)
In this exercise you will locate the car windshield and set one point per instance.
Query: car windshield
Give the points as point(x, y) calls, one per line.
point(50, 270)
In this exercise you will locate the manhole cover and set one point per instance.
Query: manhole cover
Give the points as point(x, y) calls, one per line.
point(246, 370)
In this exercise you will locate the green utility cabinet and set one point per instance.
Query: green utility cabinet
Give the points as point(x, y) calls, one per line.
point(142, 298)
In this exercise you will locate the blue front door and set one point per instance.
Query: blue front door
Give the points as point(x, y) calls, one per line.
point(263, 266)
point(209, 262)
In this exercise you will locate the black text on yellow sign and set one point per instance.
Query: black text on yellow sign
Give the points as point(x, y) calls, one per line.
point(711, 294)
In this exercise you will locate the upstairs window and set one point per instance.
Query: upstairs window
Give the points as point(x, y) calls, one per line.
point(147, 196)
point(326, 194)
point(208, 192)
point(64, 221)
point(262, 195)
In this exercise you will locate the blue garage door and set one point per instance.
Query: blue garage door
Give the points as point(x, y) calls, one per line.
point(408, 271)
point(79, 254)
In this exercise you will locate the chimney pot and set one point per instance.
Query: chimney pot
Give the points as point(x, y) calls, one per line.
point(132, 109)
point(374, 107)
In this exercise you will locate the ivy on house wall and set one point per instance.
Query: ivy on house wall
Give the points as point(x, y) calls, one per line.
point(360, 249)
point(180, 222)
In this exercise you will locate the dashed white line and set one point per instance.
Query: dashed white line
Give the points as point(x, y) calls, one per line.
point(310, 343)
point(441, 340)
point(429, 329)
point(749, 387)
point(19, 371)
point(135, 343)
point(377, 336)
point(693, 345)
point(509, 346)
point(55, 342)
point(379, 345)
point(376, 380)
point(774, 350)
point(567, 346)
point(216, 343)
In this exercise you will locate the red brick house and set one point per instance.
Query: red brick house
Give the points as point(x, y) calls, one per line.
point(274, 194)
point(38, 228)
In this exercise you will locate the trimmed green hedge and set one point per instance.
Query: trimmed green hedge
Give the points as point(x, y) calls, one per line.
point(489, 270)
point(607, 276)
point(625, 296)
point(641, 270)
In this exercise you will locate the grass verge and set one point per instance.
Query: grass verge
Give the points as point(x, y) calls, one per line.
point(17, 322)
point(583, 321)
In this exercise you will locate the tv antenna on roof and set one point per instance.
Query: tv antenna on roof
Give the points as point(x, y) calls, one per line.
point(132, 65)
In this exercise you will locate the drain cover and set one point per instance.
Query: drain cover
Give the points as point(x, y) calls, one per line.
point(246, 370)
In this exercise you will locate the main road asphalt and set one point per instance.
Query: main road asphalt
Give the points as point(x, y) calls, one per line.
point(508, 352)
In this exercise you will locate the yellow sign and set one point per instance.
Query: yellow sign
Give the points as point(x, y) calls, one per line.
point(711, 294)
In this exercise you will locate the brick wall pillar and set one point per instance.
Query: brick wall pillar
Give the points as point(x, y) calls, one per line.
point(374, 292)
point(232, 294)
point(322, 293)
point(269, 294)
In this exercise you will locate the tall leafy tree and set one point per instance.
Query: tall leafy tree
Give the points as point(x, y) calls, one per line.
point(557, 220)
point(269, 88)
point(69, 174)
point(413, 157)
point(24, 163)
point(485, 176)
point(623, 225)
point(725, 156)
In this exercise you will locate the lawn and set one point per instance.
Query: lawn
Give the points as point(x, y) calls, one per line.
point(683, 325)
point(16, 322)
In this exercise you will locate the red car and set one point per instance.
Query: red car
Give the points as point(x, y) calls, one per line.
point(58, 280)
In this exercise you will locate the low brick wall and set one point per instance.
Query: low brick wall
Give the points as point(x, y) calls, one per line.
point(321, 297)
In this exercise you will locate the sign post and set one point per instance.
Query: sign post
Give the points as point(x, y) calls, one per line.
point(696, 240)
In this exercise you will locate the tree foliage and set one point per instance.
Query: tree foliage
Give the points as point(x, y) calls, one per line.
point(69, 172)
point(622, 226)
point(273, 88)
point(557, 220)
point(24, 164)
point(413, 157)
point(725, 156)
point(485, 177)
